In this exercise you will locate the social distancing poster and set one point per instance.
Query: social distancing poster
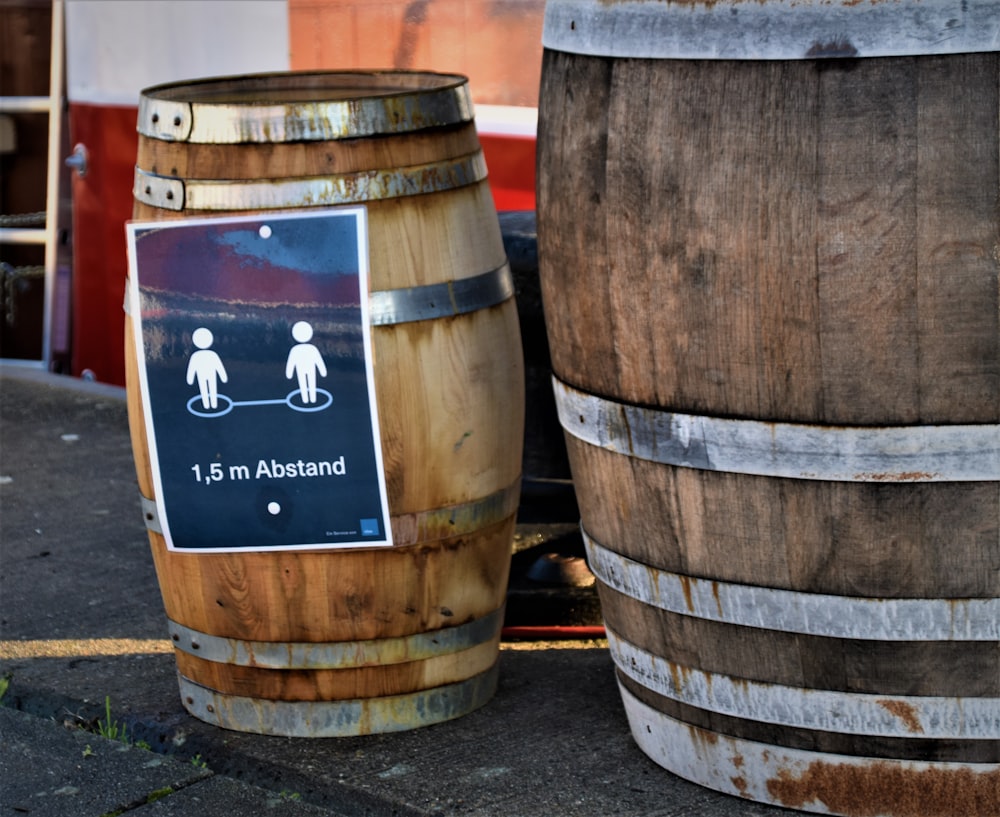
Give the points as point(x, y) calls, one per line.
point(255, 368)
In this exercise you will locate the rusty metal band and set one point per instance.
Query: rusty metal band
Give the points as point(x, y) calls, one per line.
point(762, 772)
point(891, 716)
point(457, 297)
point(170, 193)
point(791, 611)
point(420, 526)
point(403, 111)
point(958, 453)
point(336, 654)
point(456, 520)
point(331, 719)
point(771, 29)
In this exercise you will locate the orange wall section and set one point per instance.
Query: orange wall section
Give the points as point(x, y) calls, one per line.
point(496, 43)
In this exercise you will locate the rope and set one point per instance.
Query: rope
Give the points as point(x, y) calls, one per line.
point(11, 277)
point(23, 220)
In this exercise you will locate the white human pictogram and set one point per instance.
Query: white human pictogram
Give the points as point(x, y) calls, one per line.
point(206, 366)
point(305, 362)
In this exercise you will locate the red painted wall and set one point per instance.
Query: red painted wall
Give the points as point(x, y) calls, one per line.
point(102, 202)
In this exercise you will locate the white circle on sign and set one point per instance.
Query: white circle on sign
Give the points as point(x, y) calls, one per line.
point(265, 231)
point(273, 508)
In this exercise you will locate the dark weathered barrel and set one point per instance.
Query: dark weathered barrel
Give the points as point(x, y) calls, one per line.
point(768, 245)
point(335, 642)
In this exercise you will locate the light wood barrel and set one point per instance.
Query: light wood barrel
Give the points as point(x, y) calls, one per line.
point(353, 641)
point(768, 244)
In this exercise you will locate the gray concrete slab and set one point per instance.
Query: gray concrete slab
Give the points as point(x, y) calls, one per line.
point(222, 795)
point(51, 770)
point(81, 621)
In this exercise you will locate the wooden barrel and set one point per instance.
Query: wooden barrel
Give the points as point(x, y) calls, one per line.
point(768, 244)
point(352, 641)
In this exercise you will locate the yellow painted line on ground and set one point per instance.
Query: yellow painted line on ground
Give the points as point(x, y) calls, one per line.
point(571, 644)
point(78, 648)
point(75, 648)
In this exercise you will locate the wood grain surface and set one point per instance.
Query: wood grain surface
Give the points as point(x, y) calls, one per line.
point(811, 241)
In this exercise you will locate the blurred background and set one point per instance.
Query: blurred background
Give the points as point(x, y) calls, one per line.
point(71, 72)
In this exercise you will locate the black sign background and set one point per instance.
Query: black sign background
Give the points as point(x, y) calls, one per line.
point(262, 468)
